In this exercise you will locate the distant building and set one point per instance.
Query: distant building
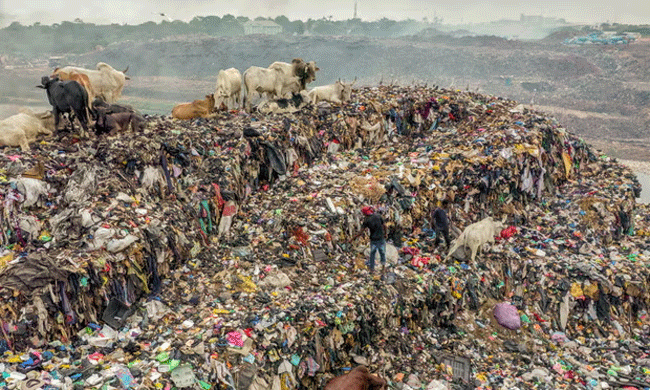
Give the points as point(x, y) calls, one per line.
point(268, 27)
point(537, 19)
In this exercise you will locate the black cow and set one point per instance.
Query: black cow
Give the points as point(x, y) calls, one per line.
point(295, 100)
point(66, 96)
point(114, 117)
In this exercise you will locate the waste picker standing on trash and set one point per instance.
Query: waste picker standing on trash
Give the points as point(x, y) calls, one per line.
point(375, 223)
point(440, 224)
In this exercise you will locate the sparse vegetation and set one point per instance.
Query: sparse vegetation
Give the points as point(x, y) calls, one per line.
point(80, 37)
point(643, 29)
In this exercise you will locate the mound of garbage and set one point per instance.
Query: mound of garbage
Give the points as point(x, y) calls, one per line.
point(216, 253)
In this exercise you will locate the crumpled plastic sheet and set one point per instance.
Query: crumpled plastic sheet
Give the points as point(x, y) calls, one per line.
point(507, 315)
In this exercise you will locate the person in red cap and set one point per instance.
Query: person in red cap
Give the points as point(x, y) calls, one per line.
point(375, 223)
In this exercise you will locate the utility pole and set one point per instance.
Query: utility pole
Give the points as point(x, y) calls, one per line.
point(355, 10)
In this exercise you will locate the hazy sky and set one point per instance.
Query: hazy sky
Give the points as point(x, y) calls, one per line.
point(454, 12)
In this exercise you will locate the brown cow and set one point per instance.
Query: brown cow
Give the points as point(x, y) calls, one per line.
point(81, 78)
point(198, 108)
point(359, 378)
point(116, 122)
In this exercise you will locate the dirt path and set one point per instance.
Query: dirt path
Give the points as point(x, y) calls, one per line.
point(577, 113)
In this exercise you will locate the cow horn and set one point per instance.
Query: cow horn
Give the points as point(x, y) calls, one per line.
point(127, 78)
point(127, 68)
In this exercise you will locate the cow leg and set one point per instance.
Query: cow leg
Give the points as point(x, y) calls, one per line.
point(24, 145)
point(454, 248)
point(71, 117)
point(81, 115)
point(474, 248)
point(55, 112)
point(259, 97)
point(115, 130)
point(84, 122)
point(278, 92)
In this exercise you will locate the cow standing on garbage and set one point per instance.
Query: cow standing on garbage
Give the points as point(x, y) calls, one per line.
point(66, 97)
point(304, 71)
point(116, 122)
point(228, 89)
point(106, 82)
point(81, 78)
point(272, 82)
point(476, 235)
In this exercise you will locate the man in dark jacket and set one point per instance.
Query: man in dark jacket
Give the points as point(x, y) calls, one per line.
point(375, 223)
point(440, 223)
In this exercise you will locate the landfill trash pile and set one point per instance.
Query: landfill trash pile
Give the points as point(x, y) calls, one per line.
point(215, 253)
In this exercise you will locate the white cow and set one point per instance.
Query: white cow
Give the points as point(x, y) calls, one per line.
point(25, 127)
point(305, 71)
point(107, 83)
point(338, 93)
point(228, 89)
point(273, 82)
point(476, 235)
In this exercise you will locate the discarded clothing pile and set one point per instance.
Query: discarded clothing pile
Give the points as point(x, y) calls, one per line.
point(215, 253)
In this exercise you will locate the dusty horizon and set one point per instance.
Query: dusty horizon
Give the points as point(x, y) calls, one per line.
point(135, 12)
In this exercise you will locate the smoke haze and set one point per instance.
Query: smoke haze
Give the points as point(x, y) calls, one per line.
point(28, 12)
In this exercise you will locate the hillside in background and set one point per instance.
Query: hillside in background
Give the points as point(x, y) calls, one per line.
point(30, 42)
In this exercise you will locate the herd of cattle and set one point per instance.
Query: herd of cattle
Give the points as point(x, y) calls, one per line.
point(90, 95)
point(283, 84)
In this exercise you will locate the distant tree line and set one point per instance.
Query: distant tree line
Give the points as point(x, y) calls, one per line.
point(79, 37)
point(644, 30)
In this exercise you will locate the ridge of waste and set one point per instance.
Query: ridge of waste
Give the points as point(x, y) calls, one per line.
point(214, 253)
